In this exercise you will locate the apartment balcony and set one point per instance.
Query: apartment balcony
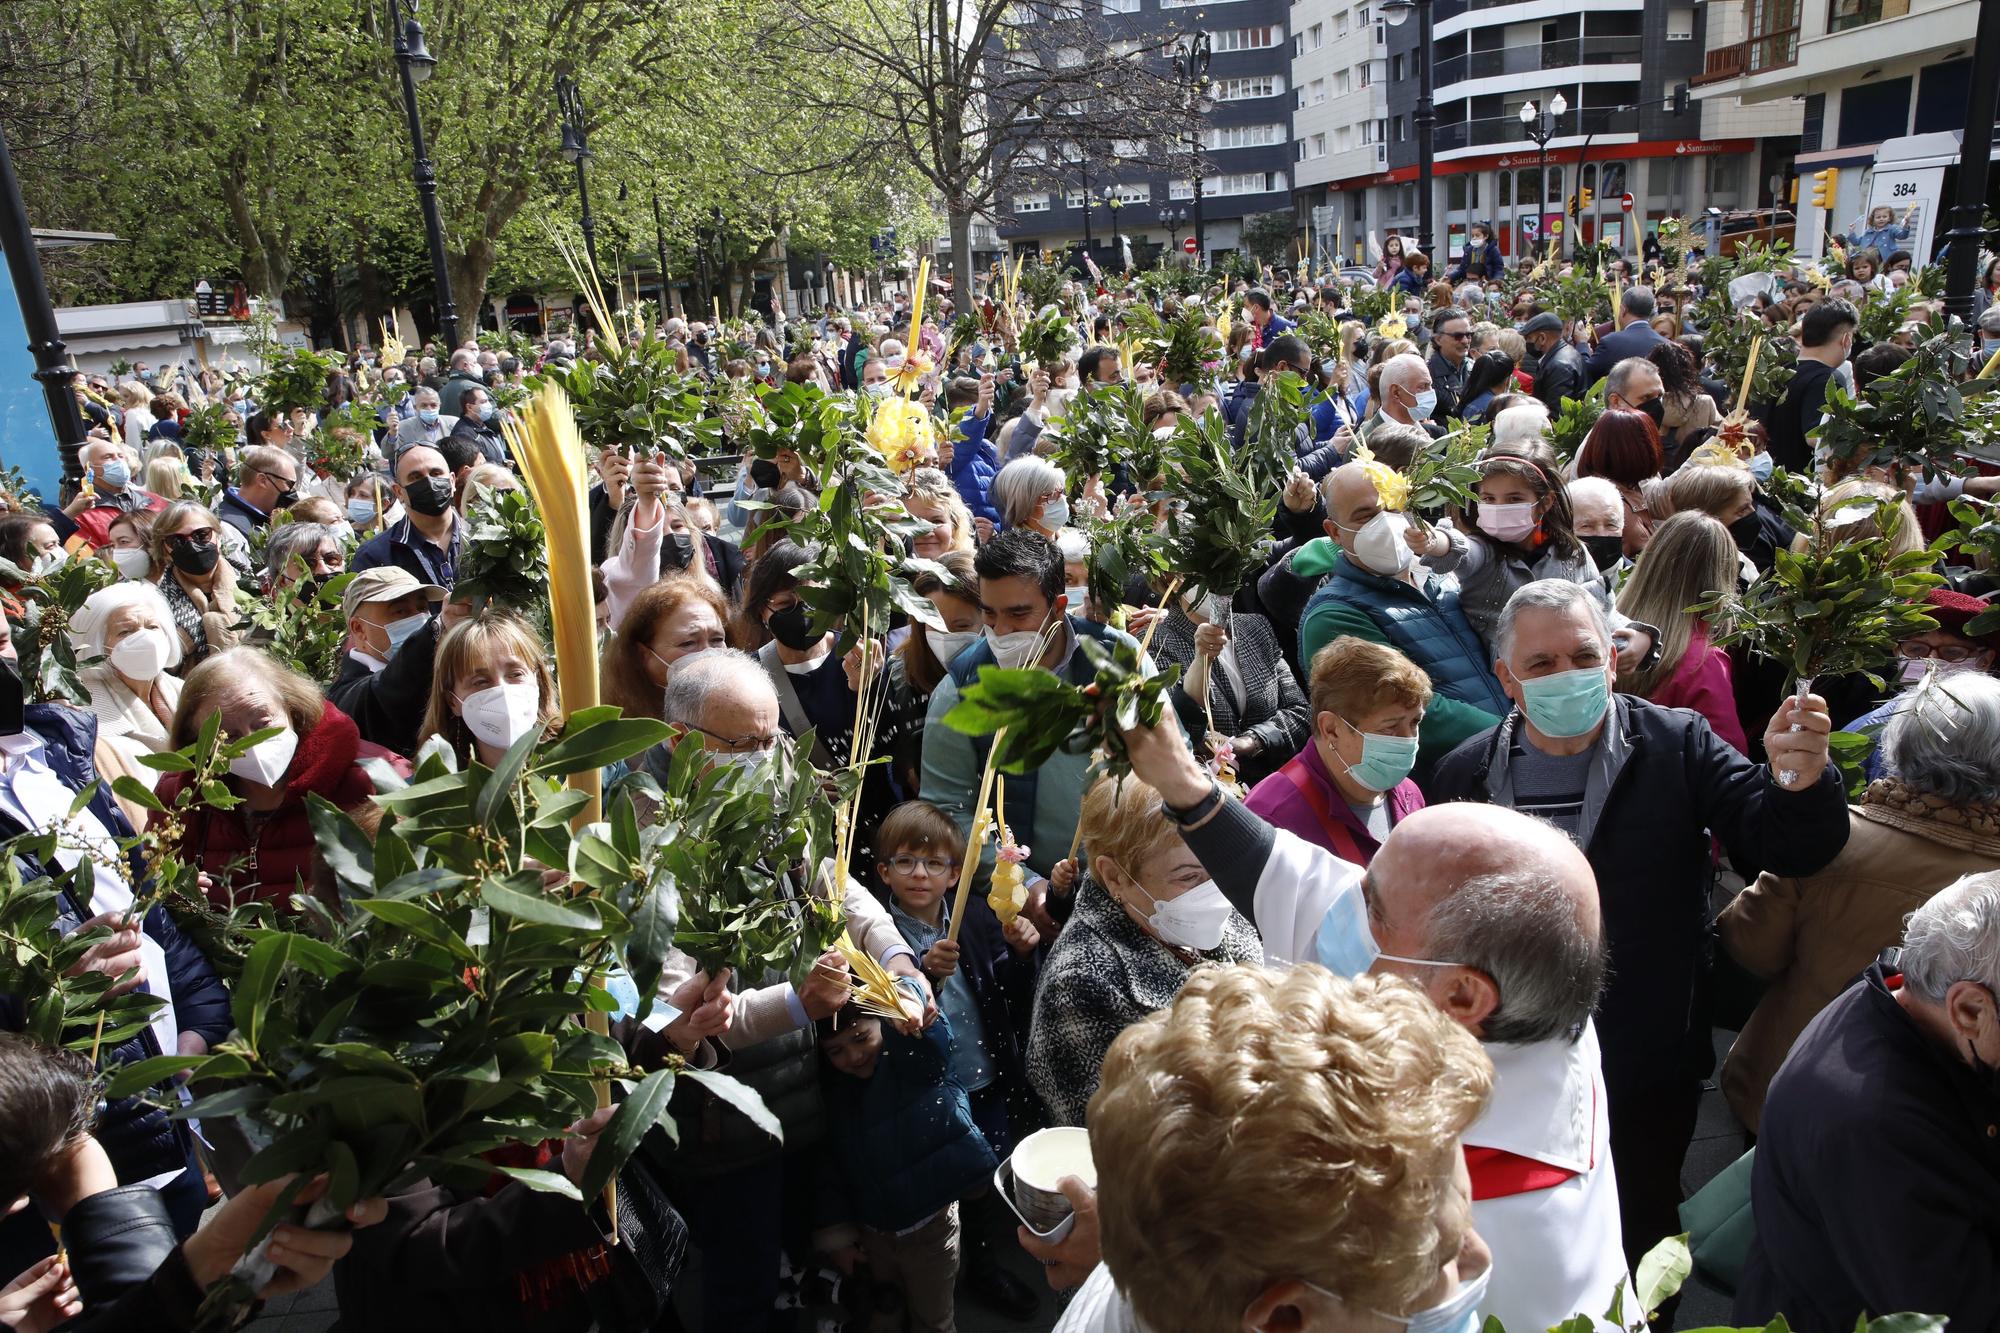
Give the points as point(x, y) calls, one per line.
point(1499, 130)
point(1536, 57)
point(1772, 51)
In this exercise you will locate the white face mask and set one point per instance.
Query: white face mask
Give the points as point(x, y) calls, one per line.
point(266, 762)
point(1379, 544)
point(947, 644)
point(1013, 651)
point(132, 564)
point(737, 758)
point(502, 714)
point(1195, 920)
point(142, 654)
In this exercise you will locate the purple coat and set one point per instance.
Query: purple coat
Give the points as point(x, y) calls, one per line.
point(1301, 798)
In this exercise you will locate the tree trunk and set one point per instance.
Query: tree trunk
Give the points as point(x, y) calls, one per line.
point(468, 270)
point(961, 259)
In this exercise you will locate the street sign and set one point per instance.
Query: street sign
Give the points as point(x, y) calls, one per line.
point(1626, 202)
point(1556, 227)
point(1530, 226)
point(1189, 245)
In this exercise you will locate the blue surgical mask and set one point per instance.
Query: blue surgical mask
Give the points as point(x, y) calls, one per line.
point(1385, 760)
point(1055, 514)
point(427, 415)
point(399, 631)
point(1457, 1313)
point(486, 411)
point(114, 472)
point(1761, 467)
point(1426, 404)
point(1568, 703)
point(360, 511)
point(1344, 945)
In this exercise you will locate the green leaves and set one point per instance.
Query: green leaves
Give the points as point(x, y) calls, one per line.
point(639, 1112)
point(505, 561)
point(1184, 344)
point(1102, 427)
point(1047, 337)
point(1044, 713)
point(1914, 420)
point(1222, 503)
point(1662, 1270)
point(51, 594)
point(304, 626)
point(522, 897)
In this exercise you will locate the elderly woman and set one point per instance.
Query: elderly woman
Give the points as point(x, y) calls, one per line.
point(1599, 512)
point(1351, 784)
point(1237, 683)
point(1913, 834)
point(263, 849)
point(1029, 493)
point(129, 626)
point(199, 585)
point(1145, 916)
point(303, 552)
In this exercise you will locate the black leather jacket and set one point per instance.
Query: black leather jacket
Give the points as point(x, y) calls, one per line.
point(128, 1267)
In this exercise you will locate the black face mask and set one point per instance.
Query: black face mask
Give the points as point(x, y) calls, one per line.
point(792, 627)
point(287, 498)
point(678, 551)
point(1655, 408)
point(1746, 532)
point(429, 496)
point(764, 474)
point(1606, 551)
point(13, 698)
point(191, 559)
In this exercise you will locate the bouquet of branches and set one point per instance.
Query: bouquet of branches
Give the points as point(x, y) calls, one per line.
point(1040, 284)
point(1445, 475)
point(1270, 435)
point(1103, 427)
point(207, 432)
point(1571, 426)
point(1371, 305)
point(505, 560)
point(1219, 522)
point(339, 448)
point(1123, 547)
point(966, 330)
point(631, 397)
point(304, 626)
point(801, 418)
point(1976, 526)
point(51, 593)
point(1912, 421)
point(1184, 344)
point(1884, 314)
point(1580, 296)
point(295, 377)
point(61, 1007)
point(1032, 713)
point(1048, 338)
point(446, 914)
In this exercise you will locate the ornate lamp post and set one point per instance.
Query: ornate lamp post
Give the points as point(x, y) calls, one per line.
point(576, 149)
point(1540, 126)
point(415, 62)
point(1394, 13)
point(1191, 59)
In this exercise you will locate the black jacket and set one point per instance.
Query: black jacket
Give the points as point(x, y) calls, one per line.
point(486, 439)
point(451, 394)
point(1877, 1175)
point(128, 1266)
point(1798, 414)
point(1661, 783)
point(1449, 384)
point(388, 705)
point(1635, 339)
point(1560, 375)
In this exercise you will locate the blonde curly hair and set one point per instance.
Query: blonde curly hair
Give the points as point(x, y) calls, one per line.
point(1283, 1124)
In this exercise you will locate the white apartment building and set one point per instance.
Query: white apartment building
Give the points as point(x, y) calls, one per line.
point(1340, 121)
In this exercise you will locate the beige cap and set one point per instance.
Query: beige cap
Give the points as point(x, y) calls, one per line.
point(384, 583)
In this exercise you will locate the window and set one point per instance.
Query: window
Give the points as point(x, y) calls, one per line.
point(1318, 146)
point(1298, 99)
point(1396, 68)
point(1318, 87)
point(1680, 25)
point(1342, 140)
point(1343, 83)
point(1244, 136)
point(1180, 189)
point(1368, 132)
point(1245, 39)
point(1316, 37)
point(1133, 194)
point(1128, 147)
point(1299, 151)
point(1069, 58)
point(1367, 68)
point(1031, 203)
point(1381, 131)
point(1253, 182)
point(1340, 24)
point(1121, 6)
point(1402, 132)
point(1361, 16)
point(1237, 90)
point(1298, 44)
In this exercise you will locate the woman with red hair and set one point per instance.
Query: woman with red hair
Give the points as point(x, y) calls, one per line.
point(1623, 447)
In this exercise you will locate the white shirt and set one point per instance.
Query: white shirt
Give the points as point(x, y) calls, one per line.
point(1099, 1307)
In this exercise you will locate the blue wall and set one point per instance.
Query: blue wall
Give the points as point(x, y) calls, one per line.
point(27, 440)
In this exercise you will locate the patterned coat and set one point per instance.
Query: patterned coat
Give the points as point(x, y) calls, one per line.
point(1104, 974)
point(1274, 708)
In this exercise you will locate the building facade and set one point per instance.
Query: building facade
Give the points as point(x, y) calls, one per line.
point(1879, 91)
point(1617, 65)
point(1245, 155)
point(1340, 65)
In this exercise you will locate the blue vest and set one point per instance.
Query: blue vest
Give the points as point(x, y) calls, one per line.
point(1427, 627)
point(965, 668)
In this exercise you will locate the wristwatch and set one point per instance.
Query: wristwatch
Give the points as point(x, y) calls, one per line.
point(1198, 813)
point(1653, 654)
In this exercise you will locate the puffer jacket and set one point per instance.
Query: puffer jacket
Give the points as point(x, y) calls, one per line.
point(974, 464)
point(1426, 626)
point(904, 1136)
point(277, 861)
point(140, 1139)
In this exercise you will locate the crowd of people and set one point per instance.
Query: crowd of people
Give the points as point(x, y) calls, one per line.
point(1385, 985)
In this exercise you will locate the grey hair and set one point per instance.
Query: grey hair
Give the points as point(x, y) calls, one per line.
point(1954, 937)
point(1638, 302)
point(1520, 424)
point(1022, 482)
point(1597, 489)
point(294, 539)
point(693, 679)
point(1621, 374)
point(1557, 595)
point(425, 391)
point(1522, 929)
point(1945, 737)
point(1399, 370)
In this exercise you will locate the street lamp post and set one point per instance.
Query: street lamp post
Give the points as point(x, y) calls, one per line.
point(1395, 12)
point(576, 149)
point(1114, 203)
point(1191, 59)
point(52, 366)
point(415, 63)
point(1541, 127)
point(1974, 163)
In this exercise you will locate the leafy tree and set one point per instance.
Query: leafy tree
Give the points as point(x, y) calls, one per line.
point(1270, 236)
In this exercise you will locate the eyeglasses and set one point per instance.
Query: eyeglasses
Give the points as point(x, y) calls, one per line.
point(933, 866)
point(1447, 333)
point(742, 744)
point(199, 537)
point(284, 483)
point(1918, 650)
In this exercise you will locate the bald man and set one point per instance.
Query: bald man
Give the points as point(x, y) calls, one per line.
point(1494, 915)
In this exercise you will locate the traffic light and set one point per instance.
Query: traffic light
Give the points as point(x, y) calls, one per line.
point(1680, 99)
point(1795, 192)
point(1589, 196)
point(1826, 185)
